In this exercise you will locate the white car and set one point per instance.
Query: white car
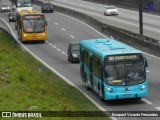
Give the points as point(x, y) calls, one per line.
point(5, 8)
point(110, 10)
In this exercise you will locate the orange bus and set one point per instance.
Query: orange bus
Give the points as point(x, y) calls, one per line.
point(31, 25)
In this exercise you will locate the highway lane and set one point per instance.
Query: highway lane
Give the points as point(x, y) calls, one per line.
point(126, 19)
point(60, 28)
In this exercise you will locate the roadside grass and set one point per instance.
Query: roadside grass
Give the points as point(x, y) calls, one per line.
point(26, 85)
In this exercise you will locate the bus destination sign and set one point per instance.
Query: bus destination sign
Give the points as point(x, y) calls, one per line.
point(127, 57)
point(33, 17)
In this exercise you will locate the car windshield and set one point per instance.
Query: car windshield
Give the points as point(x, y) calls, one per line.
point(24, 3)
point(75, 48)
point(111, 8)
point(5, 5)
point(46, 4)
point(125, 73)
point(13, 13)
point(35, 26)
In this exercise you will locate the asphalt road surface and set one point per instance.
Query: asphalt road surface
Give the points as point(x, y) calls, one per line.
point(126, 19)
point(62, 30)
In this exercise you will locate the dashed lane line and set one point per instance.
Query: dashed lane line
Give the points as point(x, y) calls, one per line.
point(56, 23)
point(72, 36)
point(58, 49)
point(53, 46)
point(63, 29)
point(48, 19)
point(101, 33)
point(147, 71)
point(50, 44)
point(63, 52)
point(157, 108)
point(147, 101)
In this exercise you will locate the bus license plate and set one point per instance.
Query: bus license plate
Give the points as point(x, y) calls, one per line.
point(126, 95)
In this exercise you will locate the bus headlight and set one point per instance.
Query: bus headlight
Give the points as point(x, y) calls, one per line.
point(43, 34)
point(25, 35)
point(142, 87)
point(109, 89)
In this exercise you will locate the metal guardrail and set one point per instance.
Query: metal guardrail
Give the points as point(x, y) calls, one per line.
point(120, 34)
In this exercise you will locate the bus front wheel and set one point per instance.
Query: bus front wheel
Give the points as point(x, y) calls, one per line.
point(100, 95)
point(86, 83)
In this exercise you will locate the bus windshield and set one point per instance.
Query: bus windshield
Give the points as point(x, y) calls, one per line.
point(34, 25)
point(24, 3)
point(129, 73)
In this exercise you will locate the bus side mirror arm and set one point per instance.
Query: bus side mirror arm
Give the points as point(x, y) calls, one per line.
point(146, 63)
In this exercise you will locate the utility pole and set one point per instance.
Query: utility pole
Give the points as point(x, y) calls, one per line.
point(140, 19)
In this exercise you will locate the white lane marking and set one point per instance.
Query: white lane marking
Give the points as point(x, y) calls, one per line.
point(56, 72)
point(72, 36)
point(63, 29)
point(145, 100)
point(53, 46)
point(58, 49)
point(85, 24)
point(63, 52)
point(50, 44)
point(157, 108)
point(120, 21)
point(46, 41)
point(56, 23)
point(147, 71)
point(48, 19)
point(152, 55)
point(103, 34)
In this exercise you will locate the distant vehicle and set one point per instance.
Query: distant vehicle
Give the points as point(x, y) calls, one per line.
point(110, 10)
point(23, 4)
point(47, 7)
point(113, 70)
point(13, 8)
point(5, 8)
point(12, 16)
point(31, 25)
point(73, 52)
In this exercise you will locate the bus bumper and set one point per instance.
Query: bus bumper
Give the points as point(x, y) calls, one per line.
point(126, 95)
point(34, 37)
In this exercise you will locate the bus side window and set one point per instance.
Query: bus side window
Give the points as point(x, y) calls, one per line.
point(86, 58)
point(101, 70)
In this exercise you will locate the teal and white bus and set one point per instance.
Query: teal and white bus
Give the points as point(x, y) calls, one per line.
point(113, 70)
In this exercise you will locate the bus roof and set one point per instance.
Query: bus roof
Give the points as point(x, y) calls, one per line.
point(28, 12)
point(103, 47)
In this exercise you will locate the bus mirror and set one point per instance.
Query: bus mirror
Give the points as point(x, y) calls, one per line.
point(46, 23)
point(146, 63)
